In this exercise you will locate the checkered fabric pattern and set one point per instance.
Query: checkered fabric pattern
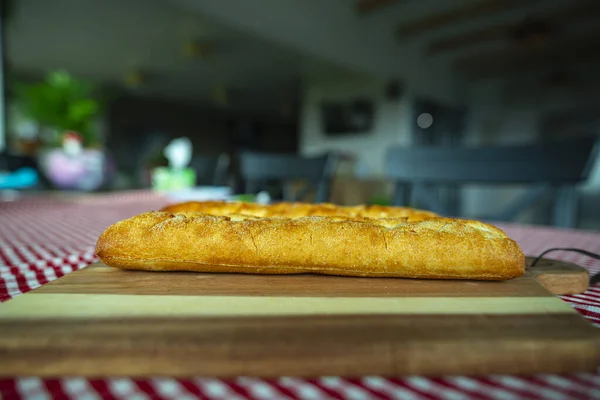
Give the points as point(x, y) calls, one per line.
point(42, 239)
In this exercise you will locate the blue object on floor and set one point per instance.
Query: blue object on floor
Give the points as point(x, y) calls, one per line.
point(20, 178)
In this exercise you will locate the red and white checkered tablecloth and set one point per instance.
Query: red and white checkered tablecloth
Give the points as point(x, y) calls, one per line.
point(42, 239)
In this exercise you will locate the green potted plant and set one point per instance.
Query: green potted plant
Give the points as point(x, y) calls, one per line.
point(61, 103)
point(67, 111)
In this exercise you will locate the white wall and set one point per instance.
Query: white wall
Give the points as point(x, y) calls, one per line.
point(390, 126)
point(500, 114)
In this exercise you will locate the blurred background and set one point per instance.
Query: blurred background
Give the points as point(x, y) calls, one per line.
point(472, 108)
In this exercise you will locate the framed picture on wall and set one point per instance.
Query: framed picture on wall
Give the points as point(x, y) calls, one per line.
point(346, 118)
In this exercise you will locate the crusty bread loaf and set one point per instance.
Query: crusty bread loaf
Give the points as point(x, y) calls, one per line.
point(337, 245)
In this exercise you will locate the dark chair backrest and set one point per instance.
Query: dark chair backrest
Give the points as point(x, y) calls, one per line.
point(549, 168)
point(211, 170)
point(566, 161)
point(258, 168)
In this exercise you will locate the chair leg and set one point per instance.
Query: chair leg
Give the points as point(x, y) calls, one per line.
point(251, 187)
point(429, 197)
point(322, 191)
point(293, 193)
point(522, 203)
point(402, 194)
point(565, 208)
point(453, 203)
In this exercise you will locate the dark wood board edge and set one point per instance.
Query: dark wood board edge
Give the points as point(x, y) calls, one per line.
point(302, 346)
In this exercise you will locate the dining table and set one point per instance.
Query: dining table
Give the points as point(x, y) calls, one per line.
point(44, 236)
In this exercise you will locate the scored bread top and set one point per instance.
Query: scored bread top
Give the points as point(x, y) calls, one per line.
point(436, 224)
point(300, 210)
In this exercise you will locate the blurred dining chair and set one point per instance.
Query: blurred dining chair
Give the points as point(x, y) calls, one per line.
point(258, 169)
point(211, 170)
point(551, 169)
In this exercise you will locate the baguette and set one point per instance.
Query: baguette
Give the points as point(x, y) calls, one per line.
point(437, 248)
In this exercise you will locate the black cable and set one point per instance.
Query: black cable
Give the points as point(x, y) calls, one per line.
point(593, 279)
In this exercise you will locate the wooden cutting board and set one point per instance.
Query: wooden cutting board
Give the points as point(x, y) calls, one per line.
point(102, 321)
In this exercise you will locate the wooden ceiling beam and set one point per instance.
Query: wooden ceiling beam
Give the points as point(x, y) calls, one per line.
point(368, 6)
point(456, 15)
point(575, 10)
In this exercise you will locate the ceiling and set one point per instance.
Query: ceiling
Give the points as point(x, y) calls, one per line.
point(482, 39)
point(115, 40)
point(260, 49)
point(437, 47)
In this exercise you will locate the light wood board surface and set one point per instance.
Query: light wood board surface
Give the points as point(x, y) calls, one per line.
point(103, 321)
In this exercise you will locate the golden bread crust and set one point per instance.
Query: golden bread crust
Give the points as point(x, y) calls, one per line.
point(299, 210)
point(442, 248)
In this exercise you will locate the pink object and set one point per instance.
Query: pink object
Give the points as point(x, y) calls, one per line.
point(83, 170)
point(43, 239)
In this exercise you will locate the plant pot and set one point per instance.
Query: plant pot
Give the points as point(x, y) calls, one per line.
point(82, 171)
